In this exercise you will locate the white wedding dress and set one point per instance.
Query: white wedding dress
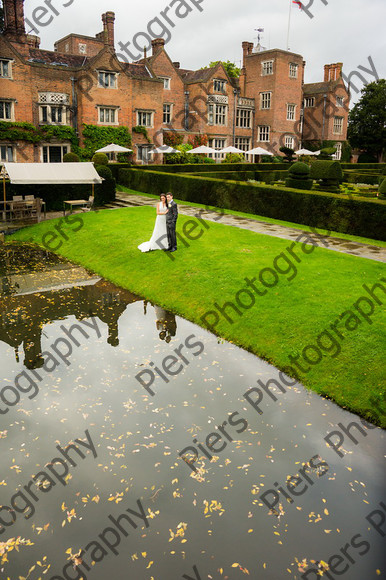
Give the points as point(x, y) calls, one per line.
point(159, 233)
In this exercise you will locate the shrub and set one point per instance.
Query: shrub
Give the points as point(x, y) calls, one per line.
point(382, 188)
point(100, 159)
point(329, 172)
point(208, 160)
point(71, 158)
point(234, 158)
point(317, 209)
point(288, 153)
point(298, 176)
point(327, 153)
point(367, 158)
point(104, 171)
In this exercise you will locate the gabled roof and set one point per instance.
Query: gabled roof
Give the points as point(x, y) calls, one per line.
point(136, 70)
point(56, 58)
point(324, 87)
point(196, 76)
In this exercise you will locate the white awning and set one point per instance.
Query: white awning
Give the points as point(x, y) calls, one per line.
point(52, 173)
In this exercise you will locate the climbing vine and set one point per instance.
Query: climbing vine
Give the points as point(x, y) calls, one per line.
point(143, 131)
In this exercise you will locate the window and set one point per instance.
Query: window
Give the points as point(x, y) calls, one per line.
point(289, 141)
point(242, 143)
point(263, 133)
point(6, 110)
point(309, 102)
point(338, 153)
point(167, 118)
point(265, 100)
point(217, 114)
point(243, 118)
point(108, 80)
point(52, 115)
point(267, 68)
point(339, 101)
point(82, 48)
point(5, 69)
point(7, 153)
point(144, 153)
point(218, 144)
point(144, 118)
point(166, 81)
point(293, 70)
point(54, 153)
point(219, 86)
point(108, 116)
point(291, 112)
point(338, 126)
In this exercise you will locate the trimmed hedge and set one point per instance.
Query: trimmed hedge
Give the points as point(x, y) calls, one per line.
point(266, 176)
point(323, 210)
point(361, 166)
point(354, 177)
point(203, 167)
point(326, 170)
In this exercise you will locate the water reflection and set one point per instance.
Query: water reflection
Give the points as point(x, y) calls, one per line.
point(44, 288)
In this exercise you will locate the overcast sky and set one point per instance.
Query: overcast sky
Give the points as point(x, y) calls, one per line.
point(347, 31)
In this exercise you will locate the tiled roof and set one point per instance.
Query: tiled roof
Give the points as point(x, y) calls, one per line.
point(136, 70)
point(56, 58)
point(316, 88)
point(195, 76)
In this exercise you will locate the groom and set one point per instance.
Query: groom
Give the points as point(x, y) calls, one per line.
point(171, 220)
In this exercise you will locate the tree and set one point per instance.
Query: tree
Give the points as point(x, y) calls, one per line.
point(367, 120)
point(229, 66)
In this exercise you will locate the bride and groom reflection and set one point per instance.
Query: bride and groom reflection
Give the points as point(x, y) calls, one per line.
point(165, 322)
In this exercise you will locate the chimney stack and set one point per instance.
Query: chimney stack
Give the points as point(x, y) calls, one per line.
point(157, 44)
point(247, 49)
point(176, 64)
point(108, 20)
point(14, 18)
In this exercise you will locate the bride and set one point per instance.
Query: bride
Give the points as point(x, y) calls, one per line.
point(159, 232)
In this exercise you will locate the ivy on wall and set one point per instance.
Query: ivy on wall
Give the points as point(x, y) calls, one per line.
point(143, 131)
point(12, 131)
point(96, 137)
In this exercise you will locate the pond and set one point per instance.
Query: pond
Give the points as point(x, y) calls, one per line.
point(136, 444)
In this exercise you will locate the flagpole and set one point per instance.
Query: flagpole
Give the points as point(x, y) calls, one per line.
point(289, 23)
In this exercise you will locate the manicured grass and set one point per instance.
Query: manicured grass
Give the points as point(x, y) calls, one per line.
point(261, 218)
point(290, 316)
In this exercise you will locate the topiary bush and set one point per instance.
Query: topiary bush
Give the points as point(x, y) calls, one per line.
point(289, 153)
point(327, 153)
point(382, 189)
point(71, 158)
point(104, 171)
point(100, 159)
point(329, 173)
point(299, 176)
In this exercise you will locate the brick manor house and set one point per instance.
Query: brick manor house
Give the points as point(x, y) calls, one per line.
point(84, 83)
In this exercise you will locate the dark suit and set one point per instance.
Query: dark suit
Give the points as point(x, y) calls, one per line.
point(171, 220)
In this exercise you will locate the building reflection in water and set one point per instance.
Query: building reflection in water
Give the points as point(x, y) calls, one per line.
point(38, 288)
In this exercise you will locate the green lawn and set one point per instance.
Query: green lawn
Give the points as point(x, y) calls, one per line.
point(290, 316)
point(379, 243)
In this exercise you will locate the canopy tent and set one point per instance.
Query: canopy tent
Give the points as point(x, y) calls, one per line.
point(202, 149)
point(51, 173)
point(113, 148)
point(306, 152)
point(165, 149)
point(231, 149)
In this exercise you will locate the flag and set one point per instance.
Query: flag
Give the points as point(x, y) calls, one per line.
point(298, 3)
point(260, 29)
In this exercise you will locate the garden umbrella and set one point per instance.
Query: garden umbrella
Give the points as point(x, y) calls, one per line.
point(306, 152)
point(202, 149)
point(113, 148)
point(165, 149)
point(231, 149)
point(258, 151)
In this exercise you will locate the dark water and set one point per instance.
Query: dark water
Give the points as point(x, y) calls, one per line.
point(213, 519)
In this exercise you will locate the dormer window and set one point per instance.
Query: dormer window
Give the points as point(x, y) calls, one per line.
point(219, 86)
point(107, 80)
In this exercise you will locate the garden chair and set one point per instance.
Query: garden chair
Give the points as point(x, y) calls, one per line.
point(89, 205)
point(18, 210)
point(17, 198)
point(36, 208)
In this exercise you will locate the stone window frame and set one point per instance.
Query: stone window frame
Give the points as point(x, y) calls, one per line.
point(264, 131)
point(243, 143)
point(65, 147)
point(338, 125)
point(293, 70)
point(3, 103)
point(110, 73)
point(9, 62)
point(289, 141)
point(166, 113)
point(169, 79)
point(309, 102)
point(291, 112)
point(219, 86)
point(215, 114)
point(243, 121)
point(109, 108)
point(267, 67)
point(145, 112)
point(265, 100)
point(4, 153)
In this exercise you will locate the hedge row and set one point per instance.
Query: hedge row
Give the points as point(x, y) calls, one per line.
point(206, 168)
point(55, 195)
point(359, 166)
point(368, 178)
point(266, 176)
point(317, 209)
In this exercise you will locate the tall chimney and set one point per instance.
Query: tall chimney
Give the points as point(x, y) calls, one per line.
point(326, 73)
point(14, 17)
point(157, 44)
point(247, 49)
point(108, 20)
